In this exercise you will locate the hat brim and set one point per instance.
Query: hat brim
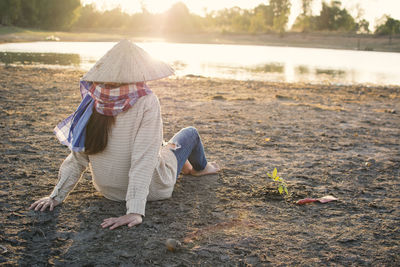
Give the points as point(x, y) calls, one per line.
point(127, 63)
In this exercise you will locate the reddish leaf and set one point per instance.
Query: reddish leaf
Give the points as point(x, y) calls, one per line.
point(305, 201)
point(323, 199)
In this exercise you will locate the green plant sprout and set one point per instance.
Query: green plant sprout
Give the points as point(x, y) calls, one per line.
point(279, 181)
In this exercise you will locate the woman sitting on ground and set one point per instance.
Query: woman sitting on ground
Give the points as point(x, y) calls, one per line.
point(117, 132)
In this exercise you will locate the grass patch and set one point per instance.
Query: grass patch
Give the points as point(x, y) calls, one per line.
point(330, 72)
point(272, 67)
point(39, 58)
point(10, 30)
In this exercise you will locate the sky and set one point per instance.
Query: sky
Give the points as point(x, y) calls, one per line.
point(372, 9)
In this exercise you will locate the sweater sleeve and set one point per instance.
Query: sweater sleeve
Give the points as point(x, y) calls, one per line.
point(146, 147)
point(70, 172)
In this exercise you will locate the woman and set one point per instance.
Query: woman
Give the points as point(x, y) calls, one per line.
point(117, 132)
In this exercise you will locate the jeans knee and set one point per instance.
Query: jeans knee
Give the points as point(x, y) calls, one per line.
point(193, 131)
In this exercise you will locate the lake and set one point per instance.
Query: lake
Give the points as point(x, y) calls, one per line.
point(242, 62)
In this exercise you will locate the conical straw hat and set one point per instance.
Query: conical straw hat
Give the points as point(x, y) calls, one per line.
point(127, 63)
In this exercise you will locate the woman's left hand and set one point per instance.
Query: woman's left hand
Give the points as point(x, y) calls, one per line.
point(130, 219)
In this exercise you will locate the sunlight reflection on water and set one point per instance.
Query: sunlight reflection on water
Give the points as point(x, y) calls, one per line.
point(243, 62)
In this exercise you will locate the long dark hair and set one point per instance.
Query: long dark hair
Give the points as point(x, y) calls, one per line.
point(97, 130)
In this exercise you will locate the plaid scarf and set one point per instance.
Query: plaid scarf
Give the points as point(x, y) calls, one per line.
point(107, 101)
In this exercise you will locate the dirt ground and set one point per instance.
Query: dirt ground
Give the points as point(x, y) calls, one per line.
point(323, 139)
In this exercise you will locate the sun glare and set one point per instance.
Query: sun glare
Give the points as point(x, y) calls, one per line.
point(159, 6)
point(153, 6)
point(372, 10)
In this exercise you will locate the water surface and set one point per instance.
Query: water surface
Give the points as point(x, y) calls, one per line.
point(242, 62)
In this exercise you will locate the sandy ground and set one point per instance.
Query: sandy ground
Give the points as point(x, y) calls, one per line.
point(342, 141)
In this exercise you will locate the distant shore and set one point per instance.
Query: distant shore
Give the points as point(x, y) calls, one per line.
point(310, 40)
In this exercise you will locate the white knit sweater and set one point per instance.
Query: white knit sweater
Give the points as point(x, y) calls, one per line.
point(133, 167)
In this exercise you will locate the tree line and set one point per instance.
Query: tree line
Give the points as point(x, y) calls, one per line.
point(265, 18)
point(41, 14)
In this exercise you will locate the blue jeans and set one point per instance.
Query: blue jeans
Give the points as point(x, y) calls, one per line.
point(189, 147)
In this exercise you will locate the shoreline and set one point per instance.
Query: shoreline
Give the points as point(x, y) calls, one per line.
point(291, 39)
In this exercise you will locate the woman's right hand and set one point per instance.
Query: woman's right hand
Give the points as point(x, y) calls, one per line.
point(43, 203)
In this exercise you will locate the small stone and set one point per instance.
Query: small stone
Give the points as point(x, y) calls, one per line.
point(391, 111)
point(369, 162)
point(219, 97)
point(172, 244)
point(3, 249)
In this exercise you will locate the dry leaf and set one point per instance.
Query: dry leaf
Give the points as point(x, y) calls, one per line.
point(323, 199)
point(326, 199)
